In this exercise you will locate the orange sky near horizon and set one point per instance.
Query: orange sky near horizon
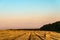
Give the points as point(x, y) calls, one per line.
point(26, 22)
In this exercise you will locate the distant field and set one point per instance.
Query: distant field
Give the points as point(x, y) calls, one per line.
point(28, 35)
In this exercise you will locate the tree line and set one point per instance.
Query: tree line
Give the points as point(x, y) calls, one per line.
point(51, 27)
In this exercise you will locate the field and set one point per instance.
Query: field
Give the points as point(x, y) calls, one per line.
point(28, 35)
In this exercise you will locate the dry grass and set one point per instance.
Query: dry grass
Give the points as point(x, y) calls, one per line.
point(28, 35)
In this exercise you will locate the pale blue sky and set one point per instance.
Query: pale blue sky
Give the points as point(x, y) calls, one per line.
point(28, 7)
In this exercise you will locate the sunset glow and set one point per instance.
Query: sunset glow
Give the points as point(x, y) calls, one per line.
point(28, 13)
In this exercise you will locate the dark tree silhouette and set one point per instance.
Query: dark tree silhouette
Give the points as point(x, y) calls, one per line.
point(51, 27)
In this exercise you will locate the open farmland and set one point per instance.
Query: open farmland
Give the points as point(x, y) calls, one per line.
point(28, 35)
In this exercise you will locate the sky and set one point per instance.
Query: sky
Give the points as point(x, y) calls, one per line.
point(28, 13)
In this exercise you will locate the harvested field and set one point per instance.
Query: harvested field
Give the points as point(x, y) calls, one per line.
point(28, 35)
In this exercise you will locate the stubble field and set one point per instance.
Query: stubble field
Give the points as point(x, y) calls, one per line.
point(28, 35)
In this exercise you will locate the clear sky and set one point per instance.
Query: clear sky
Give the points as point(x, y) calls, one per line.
point(28, 13)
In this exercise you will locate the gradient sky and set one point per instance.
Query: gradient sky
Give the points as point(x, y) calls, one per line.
point(28, 13)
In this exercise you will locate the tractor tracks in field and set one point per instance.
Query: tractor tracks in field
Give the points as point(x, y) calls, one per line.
point(33, 34)
point(39, 36)
point(24, 35)
point(19, 36)
point(54, 37)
